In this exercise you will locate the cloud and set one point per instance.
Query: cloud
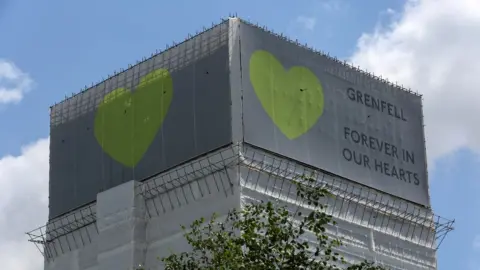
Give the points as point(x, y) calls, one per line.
point(476, 243)
point(14, 83)
point(433, 47)
point(332, 5)
point(474, 261)
point(307, 22)
point(23, 204)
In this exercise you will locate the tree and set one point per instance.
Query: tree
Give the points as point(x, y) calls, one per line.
point(266, 236)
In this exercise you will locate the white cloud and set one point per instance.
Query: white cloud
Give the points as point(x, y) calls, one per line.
point(476, 243)
point(14, 83)
point(390, 11)
point(332, 5)
point(474, 261)
point(434, 47)
point(23, 205)
point(307, 22)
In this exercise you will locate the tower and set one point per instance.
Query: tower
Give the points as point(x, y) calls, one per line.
point(228, 117)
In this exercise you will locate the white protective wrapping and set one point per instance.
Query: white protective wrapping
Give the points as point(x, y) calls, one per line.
point(139, 222)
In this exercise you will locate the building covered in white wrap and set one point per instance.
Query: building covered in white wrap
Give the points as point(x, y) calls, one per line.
point(229, 117)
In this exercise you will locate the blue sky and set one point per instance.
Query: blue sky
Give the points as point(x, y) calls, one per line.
point(56, 49)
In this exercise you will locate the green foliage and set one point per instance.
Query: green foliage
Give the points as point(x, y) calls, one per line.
point(265, 236)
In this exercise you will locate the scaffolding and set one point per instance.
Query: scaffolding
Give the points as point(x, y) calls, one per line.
point(175, 57)
point(351, 202)
point(180, 54)
point(66, 233)
point(181, 185)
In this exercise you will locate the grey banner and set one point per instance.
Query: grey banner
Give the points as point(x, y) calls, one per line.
point(156, 115)
point(317, 110)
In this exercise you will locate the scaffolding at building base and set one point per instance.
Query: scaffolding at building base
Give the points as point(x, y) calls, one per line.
point(71, 231)
point(181, 186)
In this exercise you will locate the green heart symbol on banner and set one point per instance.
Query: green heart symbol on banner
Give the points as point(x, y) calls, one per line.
point(126, 122)
point(293, 99)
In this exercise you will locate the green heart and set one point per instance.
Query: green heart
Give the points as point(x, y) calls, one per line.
point(293, 99)
point(126, 123)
